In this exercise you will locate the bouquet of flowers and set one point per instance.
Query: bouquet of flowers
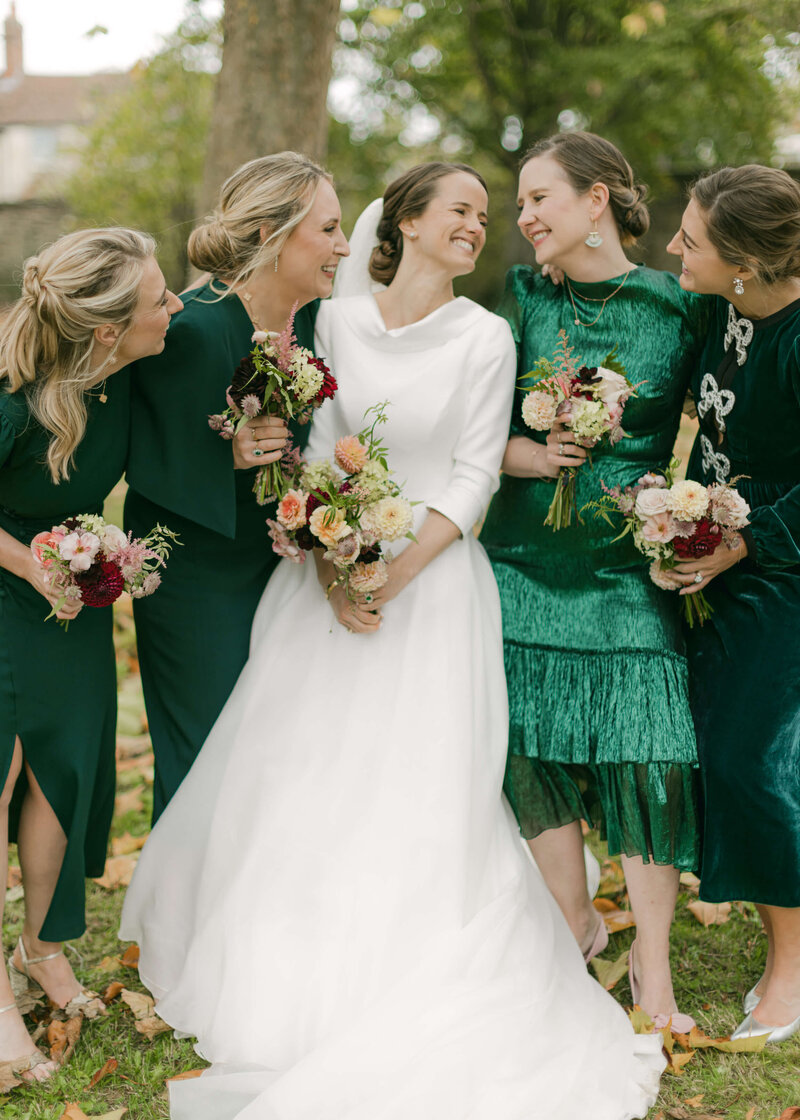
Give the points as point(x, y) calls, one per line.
point(590, 398)
point(347, 507)
point(676, 520)
point(93, 561)
point(280, 377)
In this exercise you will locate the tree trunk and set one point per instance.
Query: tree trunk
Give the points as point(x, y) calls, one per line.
point(272, 88)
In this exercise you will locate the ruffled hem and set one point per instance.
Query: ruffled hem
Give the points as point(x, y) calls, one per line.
point(598, 707)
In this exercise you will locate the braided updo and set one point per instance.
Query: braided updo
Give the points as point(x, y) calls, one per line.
point(587, 159)
point(407, 197)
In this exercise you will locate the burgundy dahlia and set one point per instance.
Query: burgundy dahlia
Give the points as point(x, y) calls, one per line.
point(705, 540)
point(101, 585)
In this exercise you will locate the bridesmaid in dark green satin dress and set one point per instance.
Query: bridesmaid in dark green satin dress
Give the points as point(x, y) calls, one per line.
point(600, 726)
point(274, 242)
point(92, 303)
point(740, 241)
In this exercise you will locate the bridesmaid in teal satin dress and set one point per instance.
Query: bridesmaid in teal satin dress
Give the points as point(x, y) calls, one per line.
point(91, 304)
point(600, 726)
point(740, 241)
point(273, 244)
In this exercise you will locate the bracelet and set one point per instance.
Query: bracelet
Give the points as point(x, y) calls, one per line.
point(330, 587)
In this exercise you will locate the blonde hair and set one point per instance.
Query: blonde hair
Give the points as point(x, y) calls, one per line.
point(586, 159)
point(752, 215)
point(81, 282)
point(273, 193)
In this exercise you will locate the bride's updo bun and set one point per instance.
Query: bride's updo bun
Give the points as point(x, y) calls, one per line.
point(407, 197)
point(587, 159)
point(752, 215)
point(271, 194)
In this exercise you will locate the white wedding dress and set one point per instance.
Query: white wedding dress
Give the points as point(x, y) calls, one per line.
point(337, 903)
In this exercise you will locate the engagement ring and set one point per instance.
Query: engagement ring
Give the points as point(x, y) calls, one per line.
point(257, 451)
point(367, 598)
point(698, 577)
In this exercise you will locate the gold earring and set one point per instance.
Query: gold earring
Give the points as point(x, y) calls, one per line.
point(276, 263)
point(594, 240)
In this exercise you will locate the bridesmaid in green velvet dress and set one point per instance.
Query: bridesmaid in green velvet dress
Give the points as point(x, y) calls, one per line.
point(740, 241)
point(600, 723)
point(91, 303)
point(274, 242)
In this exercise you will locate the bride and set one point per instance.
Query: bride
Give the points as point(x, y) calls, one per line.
point(337, 903)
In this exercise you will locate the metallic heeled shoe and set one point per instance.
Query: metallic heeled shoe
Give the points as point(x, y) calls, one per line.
point(751, 1000)
point(751, 1028)
point(30, 1062)
point(677, 1022)
point(25, 987)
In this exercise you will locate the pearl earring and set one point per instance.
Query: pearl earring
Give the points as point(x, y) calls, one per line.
point(594, 240)
point(412, 236)
point(738, 286)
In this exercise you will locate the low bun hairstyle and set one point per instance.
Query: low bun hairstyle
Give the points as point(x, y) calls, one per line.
point(587, 159)
point(80, 282)
point(752, 216)
point(273, 193)
point(407, 197)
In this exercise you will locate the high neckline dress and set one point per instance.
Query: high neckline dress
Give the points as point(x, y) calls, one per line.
point(193, 642)
point(58, 689)
point(337, 903)
point(600, 726)
point(745, 661)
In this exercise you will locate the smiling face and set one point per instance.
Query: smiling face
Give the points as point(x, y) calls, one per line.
point(148, 328)
point(308, 260)
point(451, 231)
point(702, 268)
point(553, 217)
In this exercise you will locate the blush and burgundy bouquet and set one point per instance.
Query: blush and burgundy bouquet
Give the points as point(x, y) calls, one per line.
point(676, 520)
point(88, 559)
point(590, 398)
point(282, 378)
point(347, 507)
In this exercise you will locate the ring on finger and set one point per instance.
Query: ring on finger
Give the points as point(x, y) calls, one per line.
point(257, 452)
point(698, 577)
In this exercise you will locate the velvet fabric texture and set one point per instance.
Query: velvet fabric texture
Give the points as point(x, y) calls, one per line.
point(745, 661)
point(58, 688)
point(594, 653)
point(193, 642)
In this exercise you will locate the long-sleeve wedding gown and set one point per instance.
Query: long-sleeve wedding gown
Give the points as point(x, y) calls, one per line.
point(337, 903)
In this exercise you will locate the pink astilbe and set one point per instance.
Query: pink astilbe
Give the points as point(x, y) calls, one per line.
point(284, 342)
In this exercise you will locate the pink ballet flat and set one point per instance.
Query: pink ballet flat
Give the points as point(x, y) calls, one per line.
point(677, 1023)
point(600, 942)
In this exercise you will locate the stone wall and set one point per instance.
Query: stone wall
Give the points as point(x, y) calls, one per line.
point(24, 228)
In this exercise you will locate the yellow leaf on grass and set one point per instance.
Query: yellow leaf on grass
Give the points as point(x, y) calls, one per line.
point(75, 1112)
point(609, 973)
point(695, 1102)
point(750, 1114)
point(641, 1021)
point(130, 958)
point(710, 913)
point(141, 1005)
point(151, 1026)
point(791, 1113)
point(108, 964)
point(118, 873)
point(112, 991)
point(678, 1061)
point(61, 1037)
point(107, 1067)
point(187, 1075)
point(124, 845)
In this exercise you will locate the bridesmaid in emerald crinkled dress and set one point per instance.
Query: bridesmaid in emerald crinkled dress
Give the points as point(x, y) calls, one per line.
point(600, 727)
point(273, 243)
point(740, 241)
point(91, 304)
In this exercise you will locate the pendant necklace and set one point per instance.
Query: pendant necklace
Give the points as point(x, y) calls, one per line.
point(248, 300)
point(593, 299)
point(103, 397)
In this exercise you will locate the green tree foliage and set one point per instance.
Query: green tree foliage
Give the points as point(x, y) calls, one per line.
point(144, 152)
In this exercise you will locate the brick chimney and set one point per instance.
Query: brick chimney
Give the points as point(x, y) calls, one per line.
point(13, 37)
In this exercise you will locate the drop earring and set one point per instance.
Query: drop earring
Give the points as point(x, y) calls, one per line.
point(594, 240)
point(738, 286)
point(276, 264)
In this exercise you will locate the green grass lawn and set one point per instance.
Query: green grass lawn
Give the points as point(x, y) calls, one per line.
point(712, 967)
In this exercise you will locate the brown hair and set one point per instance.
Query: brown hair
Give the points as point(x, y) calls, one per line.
point(752, 215)
point(273, 193)
point(80, 282)
point(587, 159)
point(407, 197)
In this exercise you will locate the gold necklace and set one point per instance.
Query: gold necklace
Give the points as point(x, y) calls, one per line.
point(593, 299)
point(103, 398)
point(248, 300)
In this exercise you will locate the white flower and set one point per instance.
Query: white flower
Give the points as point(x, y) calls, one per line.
point(367, 577)
point(612, 387)
point(539, 410)
point(388, 519)
point(319, 475)
point(307, 380)
point(660, 528)
point(590, 420)
point(373, 479)
point(80, 549)
point(650, 502)
point(113, 539)
point(687, 500)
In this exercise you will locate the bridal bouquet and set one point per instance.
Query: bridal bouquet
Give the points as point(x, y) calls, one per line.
point(280, 377)
point(348, 507)
point(88, 559)
point(592, 400)
point(676, 520)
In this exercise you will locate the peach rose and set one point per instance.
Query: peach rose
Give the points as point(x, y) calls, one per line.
point(291, 510)
point(328, 525)
point(42, 542)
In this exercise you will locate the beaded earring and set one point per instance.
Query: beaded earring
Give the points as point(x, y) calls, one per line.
point(738, 286)
point(594, 240)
